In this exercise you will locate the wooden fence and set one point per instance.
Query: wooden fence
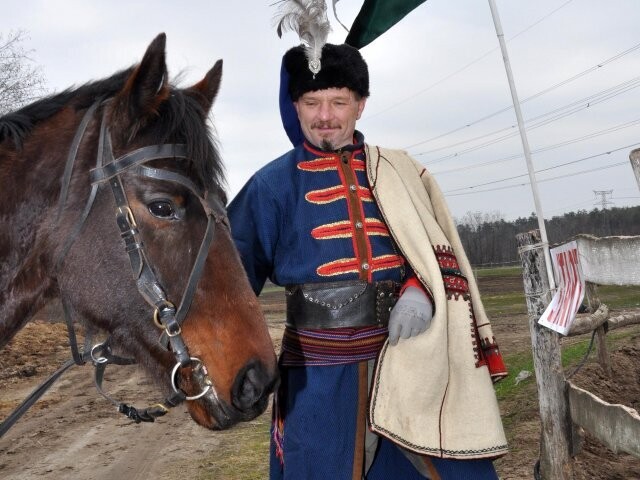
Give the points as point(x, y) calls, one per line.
point(565, 408)
point(605, 261)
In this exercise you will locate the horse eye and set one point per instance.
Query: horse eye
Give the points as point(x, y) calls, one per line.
point(161, 209)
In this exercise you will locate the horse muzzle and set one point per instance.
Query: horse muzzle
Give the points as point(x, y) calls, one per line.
point(249, 396)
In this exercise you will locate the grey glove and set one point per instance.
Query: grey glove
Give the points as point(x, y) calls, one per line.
point(410, 316)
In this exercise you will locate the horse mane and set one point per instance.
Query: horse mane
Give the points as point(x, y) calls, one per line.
point(18, 124)
point(180, 120)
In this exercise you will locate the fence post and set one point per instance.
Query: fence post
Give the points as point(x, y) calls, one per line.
point(555, 418)
point(600, 335)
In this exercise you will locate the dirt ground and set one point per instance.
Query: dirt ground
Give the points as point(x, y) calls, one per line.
point(73, 433)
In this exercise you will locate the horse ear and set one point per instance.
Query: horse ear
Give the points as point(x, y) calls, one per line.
point(146, 87)
point(205, 90)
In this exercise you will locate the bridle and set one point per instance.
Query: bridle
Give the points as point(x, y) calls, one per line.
point(165, 314)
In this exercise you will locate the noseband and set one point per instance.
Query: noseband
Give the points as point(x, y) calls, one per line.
point(165, 314)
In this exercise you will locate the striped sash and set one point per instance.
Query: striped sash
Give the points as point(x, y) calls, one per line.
point(334, 346)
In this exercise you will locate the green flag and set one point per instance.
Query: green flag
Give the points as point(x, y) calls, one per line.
point(376, 17)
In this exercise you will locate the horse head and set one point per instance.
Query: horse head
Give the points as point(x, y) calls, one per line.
point(173, 294)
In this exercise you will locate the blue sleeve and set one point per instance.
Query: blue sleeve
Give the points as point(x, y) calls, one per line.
point(254, 217)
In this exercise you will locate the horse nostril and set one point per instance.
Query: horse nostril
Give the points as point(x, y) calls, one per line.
point(252, 386)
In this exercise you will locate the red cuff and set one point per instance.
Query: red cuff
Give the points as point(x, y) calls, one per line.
point(413, 281)
point(497, 368)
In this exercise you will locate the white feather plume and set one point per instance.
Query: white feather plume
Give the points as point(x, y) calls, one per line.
point(308, 18)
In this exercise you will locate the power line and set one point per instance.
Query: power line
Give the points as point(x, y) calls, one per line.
point(573, 174)
point(626, 147)
point(625, 198)
point(589, 136)
point(573, 206)
point(514, 156)
point(535, 95)
point(586, 102)
point(447, 77)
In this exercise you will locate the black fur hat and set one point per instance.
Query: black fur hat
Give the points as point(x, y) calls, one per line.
point(341, 66)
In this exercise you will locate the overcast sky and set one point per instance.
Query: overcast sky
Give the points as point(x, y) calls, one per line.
point(438, 86)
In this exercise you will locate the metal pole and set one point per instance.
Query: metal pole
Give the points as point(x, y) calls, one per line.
point(525, 144)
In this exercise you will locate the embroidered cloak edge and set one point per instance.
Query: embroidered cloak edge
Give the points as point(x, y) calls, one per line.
point(429, 394)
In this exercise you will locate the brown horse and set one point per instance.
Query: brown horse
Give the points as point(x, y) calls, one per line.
point(135, 148)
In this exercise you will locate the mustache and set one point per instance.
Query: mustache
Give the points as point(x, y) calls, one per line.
point(325, 125)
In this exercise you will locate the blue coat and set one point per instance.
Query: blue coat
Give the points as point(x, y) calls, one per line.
point(295, 221)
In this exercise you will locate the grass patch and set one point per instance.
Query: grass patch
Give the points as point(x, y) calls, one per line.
point(515, 363)
point(505, 304)
point(616, 296)
point(243, 453)
point(498, 272)
point(572, 354)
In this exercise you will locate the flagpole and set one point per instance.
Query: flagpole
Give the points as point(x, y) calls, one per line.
point(525, 144)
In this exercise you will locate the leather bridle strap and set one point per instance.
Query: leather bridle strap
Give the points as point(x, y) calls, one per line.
point(33, 397)
point(141, 155)
point(169, 176)
point(215, 213)
point(71, 156)
point(145, 278)
point(102, 356)
point(78, 358)
point(66, 181)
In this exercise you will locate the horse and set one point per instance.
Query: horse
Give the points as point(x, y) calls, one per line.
point(163, 281)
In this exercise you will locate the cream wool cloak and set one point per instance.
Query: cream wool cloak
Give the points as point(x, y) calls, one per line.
point(430, 394)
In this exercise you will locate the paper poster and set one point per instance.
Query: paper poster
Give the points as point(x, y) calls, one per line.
point(561, 312)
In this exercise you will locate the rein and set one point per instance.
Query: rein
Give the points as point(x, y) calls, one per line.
point(165, 315)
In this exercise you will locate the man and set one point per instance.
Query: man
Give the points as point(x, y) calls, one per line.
point(347, 227)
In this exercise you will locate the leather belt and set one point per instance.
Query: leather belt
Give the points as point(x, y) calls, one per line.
point(340, 304)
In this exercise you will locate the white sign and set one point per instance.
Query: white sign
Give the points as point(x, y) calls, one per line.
point(562, 310)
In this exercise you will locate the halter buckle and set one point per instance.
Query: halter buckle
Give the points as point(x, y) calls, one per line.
point(156, 315)
point(125, 211)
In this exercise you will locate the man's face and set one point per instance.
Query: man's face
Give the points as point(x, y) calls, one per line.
point(328, 117)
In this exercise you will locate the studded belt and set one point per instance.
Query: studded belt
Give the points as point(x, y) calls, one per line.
point(340, 304)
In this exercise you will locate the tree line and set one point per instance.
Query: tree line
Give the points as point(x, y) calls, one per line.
point(490, 240)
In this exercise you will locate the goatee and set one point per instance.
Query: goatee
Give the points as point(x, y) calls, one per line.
point(327, 146)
